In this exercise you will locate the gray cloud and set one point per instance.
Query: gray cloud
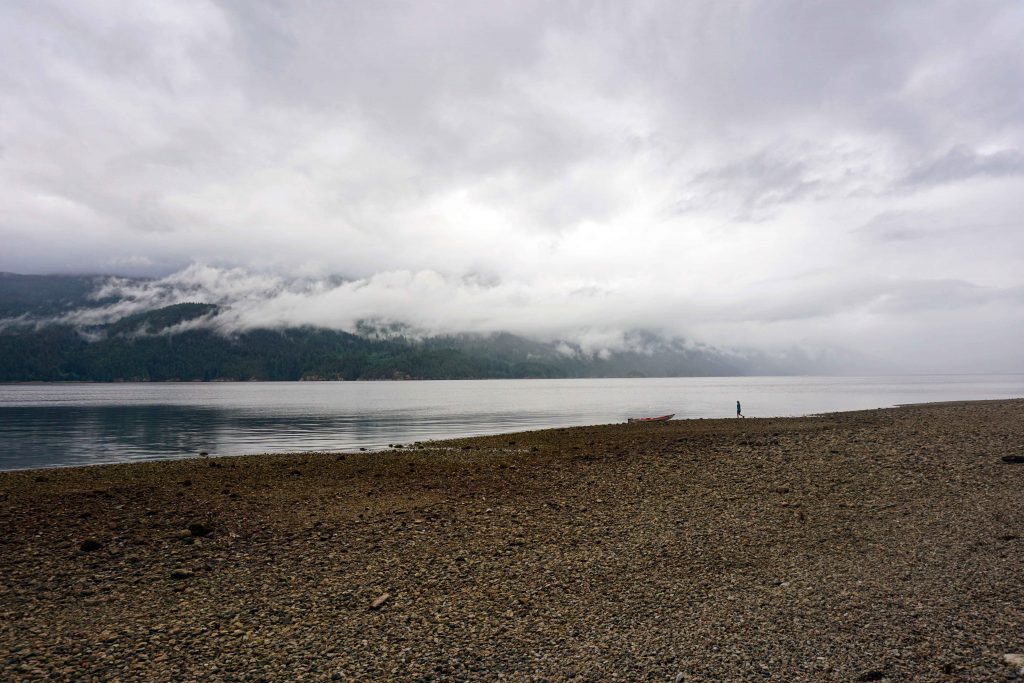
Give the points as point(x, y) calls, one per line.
point(901, 226)
point(769, 171)
point(961, 163)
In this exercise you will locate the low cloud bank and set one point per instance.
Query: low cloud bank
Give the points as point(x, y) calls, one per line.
point(417, 303)
point(941, 325)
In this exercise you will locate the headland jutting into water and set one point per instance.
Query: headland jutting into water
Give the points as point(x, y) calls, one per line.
point(874, 545)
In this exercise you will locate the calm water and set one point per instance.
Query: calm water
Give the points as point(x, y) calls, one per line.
point(76, 424)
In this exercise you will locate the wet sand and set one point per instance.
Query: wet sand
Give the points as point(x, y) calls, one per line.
point(874, 545)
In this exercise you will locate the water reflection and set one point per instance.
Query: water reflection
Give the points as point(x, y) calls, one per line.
point(79, 435)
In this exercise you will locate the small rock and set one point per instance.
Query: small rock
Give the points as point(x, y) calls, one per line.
point(873, 675)
point(200, 529)
point(89, 545)
point(1015, 659)
point(184, 533)
point(182, 574)
point(380, 600)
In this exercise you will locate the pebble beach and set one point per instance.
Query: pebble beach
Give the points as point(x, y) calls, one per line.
point(882, 545)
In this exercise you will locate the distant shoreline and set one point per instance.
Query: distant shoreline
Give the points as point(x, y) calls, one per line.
point(503, 379)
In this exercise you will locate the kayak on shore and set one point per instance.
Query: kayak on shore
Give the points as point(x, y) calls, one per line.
point(660, 418)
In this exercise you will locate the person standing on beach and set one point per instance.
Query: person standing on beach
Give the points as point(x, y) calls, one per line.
point(738, 413)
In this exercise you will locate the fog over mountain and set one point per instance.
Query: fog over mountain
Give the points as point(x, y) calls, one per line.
point(742, 175)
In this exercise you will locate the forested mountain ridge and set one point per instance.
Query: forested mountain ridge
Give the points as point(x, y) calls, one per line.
point(40, 341)
point(45, 294)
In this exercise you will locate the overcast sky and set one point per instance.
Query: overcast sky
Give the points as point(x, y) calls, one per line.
point(742, 173)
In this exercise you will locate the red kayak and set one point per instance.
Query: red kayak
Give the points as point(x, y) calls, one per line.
point(660, 418)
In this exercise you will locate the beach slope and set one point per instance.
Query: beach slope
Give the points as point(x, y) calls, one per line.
point(875, 545)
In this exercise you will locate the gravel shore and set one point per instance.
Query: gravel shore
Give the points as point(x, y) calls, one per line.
point(866, 546)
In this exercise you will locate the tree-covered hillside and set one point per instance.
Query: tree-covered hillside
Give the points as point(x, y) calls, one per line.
point(38, 342)
point(141, 353)
point(44, 294)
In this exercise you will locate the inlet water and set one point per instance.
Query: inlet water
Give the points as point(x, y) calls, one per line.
point(46, 425)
